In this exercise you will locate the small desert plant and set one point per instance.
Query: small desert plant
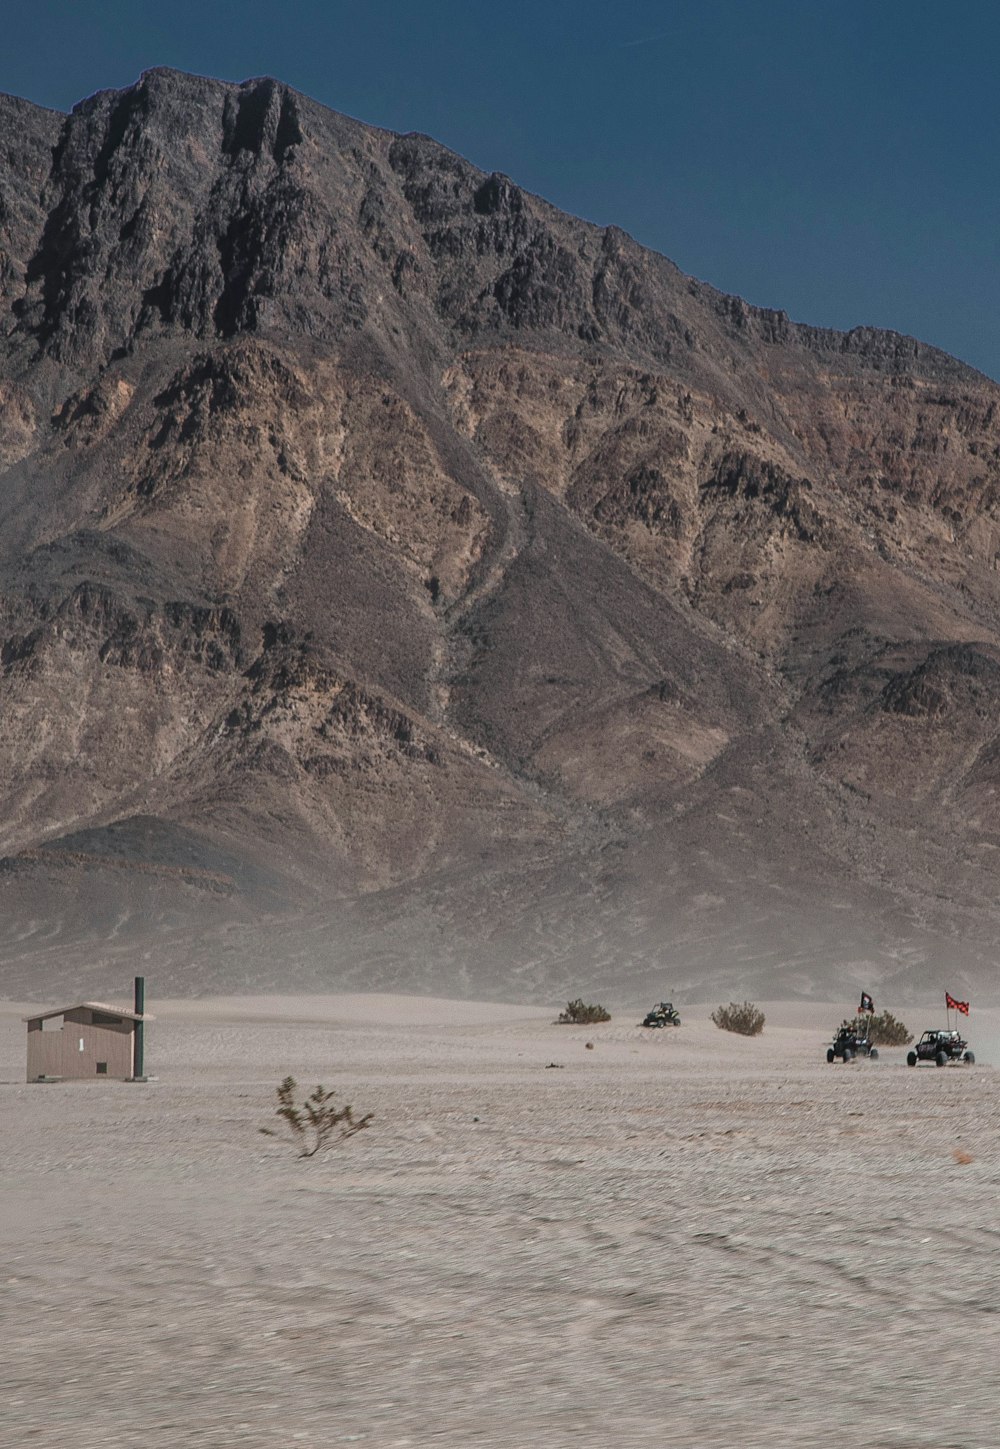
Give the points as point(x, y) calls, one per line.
point(739, 1016)
point(884, 1029)
point(578, 1013)
point(316, 1122)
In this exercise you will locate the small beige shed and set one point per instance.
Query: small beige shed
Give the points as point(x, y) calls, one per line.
point(88, 1040)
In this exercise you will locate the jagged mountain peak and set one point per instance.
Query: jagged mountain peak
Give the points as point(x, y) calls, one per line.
point(245, 188)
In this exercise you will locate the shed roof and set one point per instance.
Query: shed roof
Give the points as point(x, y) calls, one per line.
point(121, 1011)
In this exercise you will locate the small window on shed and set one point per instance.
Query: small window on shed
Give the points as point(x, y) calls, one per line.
point(53, 1023)
point(102, 1069)
point(103, 1018)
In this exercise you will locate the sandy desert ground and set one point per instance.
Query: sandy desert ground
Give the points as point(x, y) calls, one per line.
point(674, 1238)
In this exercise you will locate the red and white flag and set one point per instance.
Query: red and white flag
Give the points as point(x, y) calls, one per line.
point(952, 1005)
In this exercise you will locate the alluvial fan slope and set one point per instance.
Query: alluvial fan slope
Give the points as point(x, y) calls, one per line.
point(404, 582)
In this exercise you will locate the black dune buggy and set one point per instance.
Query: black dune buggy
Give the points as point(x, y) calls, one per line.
point(662, 1015)
point(940, 1047)
point(852, 1041)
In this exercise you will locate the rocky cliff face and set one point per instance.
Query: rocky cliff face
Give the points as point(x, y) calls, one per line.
point(402, 581)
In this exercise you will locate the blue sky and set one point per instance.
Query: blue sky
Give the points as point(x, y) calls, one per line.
point(835, 159)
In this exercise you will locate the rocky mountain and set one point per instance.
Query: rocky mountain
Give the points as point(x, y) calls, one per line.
point(404, 583)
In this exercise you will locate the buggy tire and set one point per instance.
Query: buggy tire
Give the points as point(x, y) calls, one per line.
point(831, 1055)
point(848, 1054)
point(970, 1057)
point(873, 1054)
point(911, 1059)
point(941, 1059)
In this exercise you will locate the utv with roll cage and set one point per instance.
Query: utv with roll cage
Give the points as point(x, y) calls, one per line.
point(941, 1048)
point(852, 1041)
point(665, 1014)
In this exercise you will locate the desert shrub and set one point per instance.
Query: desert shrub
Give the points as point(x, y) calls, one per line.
point(739, 1016)
point(885, 1029)
point(315, 1122)
point(578, 1013)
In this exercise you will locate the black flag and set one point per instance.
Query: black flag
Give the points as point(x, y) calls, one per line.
point(867, 1006)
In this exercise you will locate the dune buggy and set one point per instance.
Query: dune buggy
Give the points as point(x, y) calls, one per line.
point(663, 1015)
point(852, 1041)
point(940, 1047)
